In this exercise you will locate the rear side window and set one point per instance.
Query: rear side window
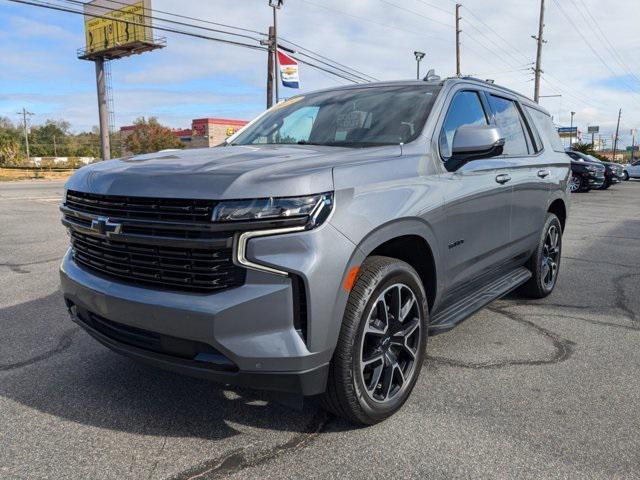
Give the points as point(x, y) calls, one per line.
point(465, 109)
point(545, 126)
point(509, 121)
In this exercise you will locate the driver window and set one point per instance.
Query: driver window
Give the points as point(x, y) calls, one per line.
point(465, 109)
point(297, 126)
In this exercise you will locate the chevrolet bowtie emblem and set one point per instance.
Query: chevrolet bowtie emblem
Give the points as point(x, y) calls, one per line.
point(103, 226)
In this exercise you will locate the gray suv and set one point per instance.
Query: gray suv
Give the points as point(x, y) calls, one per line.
point(315, 251)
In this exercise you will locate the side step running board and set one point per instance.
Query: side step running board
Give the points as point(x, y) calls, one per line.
point(448, 318)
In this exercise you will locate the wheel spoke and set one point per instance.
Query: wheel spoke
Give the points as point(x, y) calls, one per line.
point(545, 271)
point(378, 314)
point(375, 378)
point(406, 309)
point(387, 382)
point(376, 357)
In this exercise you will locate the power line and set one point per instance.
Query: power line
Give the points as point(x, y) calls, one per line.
point(375, 22)
point(413, 12)
point(60, 8)
point(311, 54)
point(151, 17)
point(616, 56)
point(595, 52)
point(184, 17)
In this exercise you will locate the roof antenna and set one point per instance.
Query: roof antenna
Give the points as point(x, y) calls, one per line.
point(431, 76)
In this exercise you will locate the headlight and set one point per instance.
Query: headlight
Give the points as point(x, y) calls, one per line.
point(303, 208)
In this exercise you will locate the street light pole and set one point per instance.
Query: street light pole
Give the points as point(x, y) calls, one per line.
point(571, 130)
point(419, 56)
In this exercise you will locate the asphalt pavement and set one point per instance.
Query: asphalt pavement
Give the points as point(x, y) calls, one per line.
point(544, 389)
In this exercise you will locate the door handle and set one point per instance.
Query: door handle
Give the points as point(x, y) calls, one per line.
point(503, 178)
point(544, 173)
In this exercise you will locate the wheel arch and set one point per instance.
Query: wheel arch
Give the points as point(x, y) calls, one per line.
point(559, 209)
point(411, 241)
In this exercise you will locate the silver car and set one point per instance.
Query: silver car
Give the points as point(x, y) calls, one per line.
point(632, 170)
point(316, 250)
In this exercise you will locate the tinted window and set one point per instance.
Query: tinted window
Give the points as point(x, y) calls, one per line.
point(465, 109)
point(356, 117)
point(510, 124)
point(545, 126)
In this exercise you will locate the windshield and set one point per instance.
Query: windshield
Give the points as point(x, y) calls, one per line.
point(360, 117)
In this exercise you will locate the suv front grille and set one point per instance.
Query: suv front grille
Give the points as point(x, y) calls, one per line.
point(168, 267)
point(141, 208)
point(160, 243)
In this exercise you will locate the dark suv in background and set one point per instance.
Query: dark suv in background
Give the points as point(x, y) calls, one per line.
point(315, 252)
point(613, 172)
point(585, 174)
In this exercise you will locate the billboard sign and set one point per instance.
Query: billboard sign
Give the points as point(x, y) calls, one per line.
point(593, 129)
point(566, 132)
point(110, 24)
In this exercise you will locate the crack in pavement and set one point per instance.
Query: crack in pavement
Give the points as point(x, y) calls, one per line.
point(601, 262)
point(66, 340)
point(563, 347)
point(241, 458)
point(18, 267)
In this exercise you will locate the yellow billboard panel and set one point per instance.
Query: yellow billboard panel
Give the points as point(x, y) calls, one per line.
point(109, 24)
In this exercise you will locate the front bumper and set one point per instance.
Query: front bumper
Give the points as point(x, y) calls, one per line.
point(251, 326)
point(595, 182)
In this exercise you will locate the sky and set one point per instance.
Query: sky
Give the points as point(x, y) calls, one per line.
point(591, 59)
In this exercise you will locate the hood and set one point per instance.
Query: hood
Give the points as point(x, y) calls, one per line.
point(232, 172)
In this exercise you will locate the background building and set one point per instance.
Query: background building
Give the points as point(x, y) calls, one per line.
point(204, 132)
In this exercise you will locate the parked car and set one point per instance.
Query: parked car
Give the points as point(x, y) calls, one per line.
point(613, 172)
point(632, 170)
point(585, 174)
point(315, 252)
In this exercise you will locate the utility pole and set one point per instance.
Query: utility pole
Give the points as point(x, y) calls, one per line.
point(615, 140)
point(276, 5)
point(540, 40)
point(633, 143)
point(103, 109)
point(458, 31)
point(419, 56)
point(571, 130)
point(55, 147)
point(270, 68)
point(25, 126)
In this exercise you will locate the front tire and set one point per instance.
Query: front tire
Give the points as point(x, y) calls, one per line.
point(625, 175)
point(544, 264)
point(382, 343)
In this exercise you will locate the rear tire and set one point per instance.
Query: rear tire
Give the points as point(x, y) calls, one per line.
point(544, 264)
point(378, 359)
point(625, 176)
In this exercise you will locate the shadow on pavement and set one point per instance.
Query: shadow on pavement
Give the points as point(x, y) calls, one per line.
point(84, 382)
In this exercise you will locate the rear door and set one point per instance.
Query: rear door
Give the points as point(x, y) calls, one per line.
point(477, 201)
point(529, 170)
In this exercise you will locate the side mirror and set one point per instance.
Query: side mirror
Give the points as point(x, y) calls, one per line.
point(474, 142)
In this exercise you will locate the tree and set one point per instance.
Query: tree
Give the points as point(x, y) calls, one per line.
point(149, 136)
point(50, 139)
point(10, 143)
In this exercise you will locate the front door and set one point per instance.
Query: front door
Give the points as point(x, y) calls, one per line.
point(477, 203)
